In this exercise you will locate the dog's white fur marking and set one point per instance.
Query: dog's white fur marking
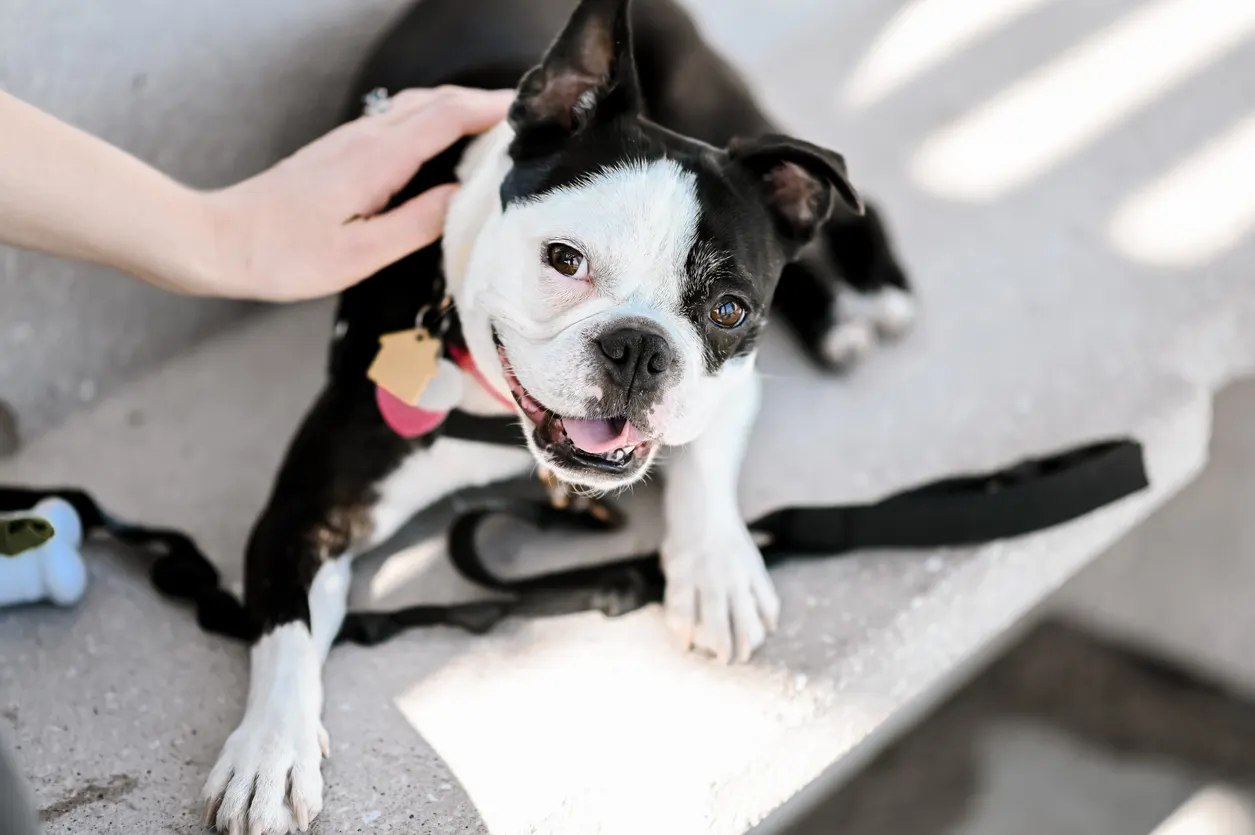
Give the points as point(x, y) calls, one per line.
point(635, 224)
point(891, 309)
point(480, 172)
point(268, 779)
point(719, 597)
point(848, 342)
point(328, 598)
point(863, 319)
point(426, 476)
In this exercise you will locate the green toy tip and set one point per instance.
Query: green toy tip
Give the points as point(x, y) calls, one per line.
point(23, 534)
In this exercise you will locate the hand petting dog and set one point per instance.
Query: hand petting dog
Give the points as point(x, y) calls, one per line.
point(309, 226)
point(313, 224)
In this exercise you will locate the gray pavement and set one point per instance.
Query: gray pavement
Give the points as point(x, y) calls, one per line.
point(1058, 738)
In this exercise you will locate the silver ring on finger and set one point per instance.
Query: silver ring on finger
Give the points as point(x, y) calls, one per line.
point(376, 103)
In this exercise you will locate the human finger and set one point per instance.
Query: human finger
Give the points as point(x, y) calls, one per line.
point(446, 117)
point(387, 238)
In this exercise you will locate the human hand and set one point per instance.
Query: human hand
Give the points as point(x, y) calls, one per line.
point(307, 227)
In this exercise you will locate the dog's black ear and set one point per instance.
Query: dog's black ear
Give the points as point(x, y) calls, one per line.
point(801, 183)
point(587, 74)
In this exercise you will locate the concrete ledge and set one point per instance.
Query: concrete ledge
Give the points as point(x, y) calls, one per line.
point(551, 726)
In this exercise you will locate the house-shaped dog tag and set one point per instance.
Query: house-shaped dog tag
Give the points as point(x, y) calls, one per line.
point(405, 364)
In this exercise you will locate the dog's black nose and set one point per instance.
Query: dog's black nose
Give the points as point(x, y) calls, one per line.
point(635, 358)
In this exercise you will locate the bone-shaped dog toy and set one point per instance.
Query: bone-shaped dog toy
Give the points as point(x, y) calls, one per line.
point(39, 555)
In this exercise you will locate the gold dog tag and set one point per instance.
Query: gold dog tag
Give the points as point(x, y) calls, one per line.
point(405, 364)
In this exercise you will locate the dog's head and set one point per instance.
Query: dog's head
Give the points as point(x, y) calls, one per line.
point(625, 281)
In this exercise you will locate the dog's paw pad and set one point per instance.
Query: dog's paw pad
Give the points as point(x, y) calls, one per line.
point(268, 779)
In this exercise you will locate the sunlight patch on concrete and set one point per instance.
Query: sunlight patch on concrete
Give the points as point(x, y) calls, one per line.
point(403, 567)
point(1045, 118)
point(1196, 212)
point(921, 36)
point(1215, 810)
point(608, 730)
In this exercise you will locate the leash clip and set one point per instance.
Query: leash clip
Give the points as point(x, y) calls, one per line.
point(439, 326)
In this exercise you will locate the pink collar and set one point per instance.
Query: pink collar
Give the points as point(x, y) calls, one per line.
point(412, 421)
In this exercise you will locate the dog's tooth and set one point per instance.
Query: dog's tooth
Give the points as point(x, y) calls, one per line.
point(618, 455)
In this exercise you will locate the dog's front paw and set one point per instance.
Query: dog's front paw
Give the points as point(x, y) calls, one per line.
point(268, 780)
point(719, 597)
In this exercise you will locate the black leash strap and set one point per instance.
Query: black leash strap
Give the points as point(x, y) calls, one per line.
point(1030, 496)
point(967, 510)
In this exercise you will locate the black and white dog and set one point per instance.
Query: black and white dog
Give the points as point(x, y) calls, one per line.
point(612, 256)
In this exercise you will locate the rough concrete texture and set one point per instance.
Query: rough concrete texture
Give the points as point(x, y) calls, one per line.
point(208, 92)
point(1038, 332)
point(10, 434)
point(126, 685)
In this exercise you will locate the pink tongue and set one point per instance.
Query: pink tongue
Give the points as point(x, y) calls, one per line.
point(598, 436)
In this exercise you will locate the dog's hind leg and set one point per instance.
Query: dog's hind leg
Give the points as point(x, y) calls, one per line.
point(846, 293)
point(873, 299)
point(347, 484)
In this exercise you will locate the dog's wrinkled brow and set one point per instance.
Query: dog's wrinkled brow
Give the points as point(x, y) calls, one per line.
point(707, 263)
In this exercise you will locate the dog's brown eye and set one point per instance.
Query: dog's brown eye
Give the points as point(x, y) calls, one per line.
point(566, 260)
point(727, 313)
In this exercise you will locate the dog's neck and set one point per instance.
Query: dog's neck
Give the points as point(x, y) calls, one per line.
point(480, 172)
point(483, 166)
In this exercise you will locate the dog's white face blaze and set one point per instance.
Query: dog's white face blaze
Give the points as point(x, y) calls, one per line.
point(636, 225)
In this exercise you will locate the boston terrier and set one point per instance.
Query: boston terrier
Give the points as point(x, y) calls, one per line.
point(605, 276)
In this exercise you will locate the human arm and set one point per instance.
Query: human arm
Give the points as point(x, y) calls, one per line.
point(306, 227)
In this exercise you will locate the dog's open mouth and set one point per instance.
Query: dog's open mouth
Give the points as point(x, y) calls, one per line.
point(611, 445)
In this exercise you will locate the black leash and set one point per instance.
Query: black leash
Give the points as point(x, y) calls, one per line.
point(1030, 496)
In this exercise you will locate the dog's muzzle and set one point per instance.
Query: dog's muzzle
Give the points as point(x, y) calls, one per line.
point(599, 447)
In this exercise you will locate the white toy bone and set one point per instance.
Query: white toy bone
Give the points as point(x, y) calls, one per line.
point(53, 571)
